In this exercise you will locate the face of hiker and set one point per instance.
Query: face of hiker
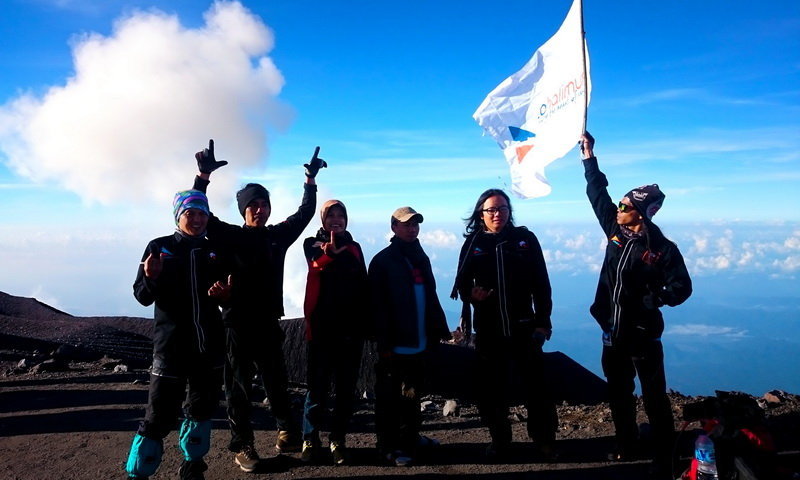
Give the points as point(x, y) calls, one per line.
point(626, 214)
point(193, 221)
point(257, 213)
point(495, 213)
point(406, 231)
point(335, 220)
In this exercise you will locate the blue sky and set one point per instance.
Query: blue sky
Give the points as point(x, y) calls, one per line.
point(102, 105)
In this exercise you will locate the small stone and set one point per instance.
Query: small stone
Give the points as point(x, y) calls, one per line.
point(451, 409)
point(773, 397)
point(121, 368)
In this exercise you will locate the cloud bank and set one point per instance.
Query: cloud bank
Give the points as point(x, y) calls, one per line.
point(141, 101)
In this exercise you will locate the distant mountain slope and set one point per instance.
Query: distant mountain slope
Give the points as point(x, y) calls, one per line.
point(26, 321)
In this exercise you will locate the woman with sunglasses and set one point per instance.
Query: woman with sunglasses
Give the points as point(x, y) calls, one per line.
point(502, 274)
point(641, 272)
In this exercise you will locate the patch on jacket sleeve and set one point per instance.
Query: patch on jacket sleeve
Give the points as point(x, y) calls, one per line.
point(478, 251)
point(616, 241)
point(166, 253)
point(523, 245)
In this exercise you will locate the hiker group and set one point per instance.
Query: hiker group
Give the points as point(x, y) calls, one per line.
point(218, 294)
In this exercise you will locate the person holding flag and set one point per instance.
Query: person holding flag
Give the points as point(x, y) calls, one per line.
point(642, 271)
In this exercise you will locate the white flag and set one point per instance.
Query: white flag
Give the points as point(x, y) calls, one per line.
point(537, 114)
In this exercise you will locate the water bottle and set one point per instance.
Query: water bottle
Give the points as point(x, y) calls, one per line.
point(706, 459)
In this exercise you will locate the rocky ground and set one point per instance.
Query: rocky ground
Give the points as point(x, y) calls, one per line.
point(73, 389)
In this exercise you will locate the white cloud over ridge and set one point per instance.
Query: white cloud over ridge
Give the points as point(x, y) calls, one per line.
point(141, 101)
point(703, 330)
point(733, 248)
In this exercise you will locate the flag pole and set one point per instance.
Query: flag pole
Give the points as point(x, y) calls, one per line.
point(585, 79)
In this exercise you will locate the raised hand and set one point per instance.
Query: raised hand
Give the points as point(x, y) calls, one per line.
point(313, 166)
point(330, 248)
point(206, 162)
point(152, 266)
point(587, 145)
point(221, 291)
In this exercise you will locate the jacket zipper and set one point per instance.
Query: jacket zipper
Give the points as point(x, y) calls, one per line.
point(501, 287)
point(626, 252)
point(196, 301)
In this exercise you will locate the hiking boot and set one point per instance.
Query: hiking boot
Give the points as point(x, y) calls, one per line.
point(193, 470)
point(623, 454)
point(427, 442)
point(496, 451)
point(308, 453)
point(546, 452)
point(287, 442)
point(402, 459)
point(247, 458)
point(337, 452)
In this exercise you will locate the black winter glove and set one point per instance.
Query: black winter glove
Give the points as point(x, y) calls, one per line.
point(313, 166)
point(589, 140)
point(206, 162)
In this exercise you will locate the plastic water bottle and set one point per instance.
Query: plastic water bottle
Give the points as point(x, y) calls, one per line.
point(706, 458)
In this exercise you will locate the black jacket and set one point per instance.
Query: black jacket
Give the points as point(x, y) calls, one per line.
point(258, 255)
point(638, 275)
point(337, 290)
point(510, 263)
point(187, 326)
point(394, 307)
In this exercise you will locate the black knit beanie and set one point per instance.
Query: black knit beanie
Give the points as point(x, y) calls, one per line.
point(250, 192)
point(646, 199)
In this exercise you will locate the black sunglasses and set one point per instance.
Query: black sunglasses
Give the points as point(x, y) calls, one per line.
point(624, 207)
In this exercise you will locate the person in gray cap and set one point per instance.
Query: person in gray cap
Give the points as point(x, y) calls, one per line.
point(409, 323)
point(642, 271)
point(253, 336)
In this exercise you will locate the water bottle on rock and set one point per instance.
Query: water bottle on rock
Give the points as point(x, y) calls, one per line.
point(706, 458)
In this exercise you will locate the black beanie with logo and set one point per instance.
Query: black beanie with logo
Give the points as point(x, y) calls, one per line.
point(646, 199)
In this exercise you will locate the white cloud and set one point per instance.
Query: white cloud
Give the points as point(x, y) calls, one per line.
point(439, 238)
point(793, 242)
point(125, 126)
point(700, 244)
point(703, 330)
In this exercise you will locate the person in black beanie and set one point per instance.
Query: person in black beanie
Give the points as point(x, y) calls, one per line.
point(409, 323)
point(254, 338)
point(642, 271)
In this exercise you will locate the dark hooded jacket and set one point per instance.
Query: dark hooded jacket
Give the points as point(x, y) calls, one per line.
point(188, 329)
point(511, 264)
point(394, 308)
point(639, 273)
point(258, 255)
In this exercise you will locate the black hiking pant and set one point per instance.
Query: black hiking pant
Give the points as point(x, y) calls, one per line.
point(621, 365)
point(398, 388)
point(251, 350)
point(504, 362)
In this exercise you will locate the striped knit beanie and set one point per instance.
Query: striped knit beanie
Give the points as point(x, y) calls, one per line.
point(187, 199)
